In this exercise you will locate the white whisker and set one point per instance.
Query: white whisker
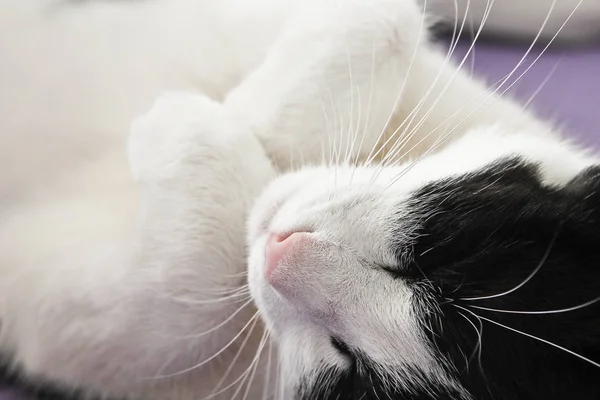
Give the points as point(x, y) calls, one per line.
point(332, 133)
point(351, 112)
point(419, 106)
point(595, 364)
point(410, 117)
point(209, 359)
point(217, 390)
point(327, 128)
point(220, 325)
point(399, 146)
point(475, 112)
point(529, 277)
point(559, 311)
point(358, 152)
point(267, 380)
point(370, 156)
point(542, 85)
point(442, 139)
point(236, 297)
point(255, 363)
point(477, 348)
point(354, 132)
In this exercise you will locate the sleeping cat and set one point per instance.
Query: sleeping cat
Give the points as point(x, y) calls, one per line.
point(337, 211)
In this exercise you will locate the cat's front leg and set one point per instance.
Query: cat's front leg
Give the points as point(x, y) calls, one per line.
point(199, 171)
point(138, 288)
point(361, 79)
point(330, 85)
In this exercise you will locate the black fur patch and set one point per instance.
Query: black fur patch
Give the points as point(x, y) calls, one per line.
point(362, 382)
point(484, 234)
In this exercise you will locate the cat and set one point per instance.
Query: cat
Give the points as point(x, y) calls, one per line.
point(330, 208)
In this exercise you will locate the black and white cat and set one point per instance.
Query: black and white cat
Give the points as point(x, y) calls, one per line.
point(331, 210)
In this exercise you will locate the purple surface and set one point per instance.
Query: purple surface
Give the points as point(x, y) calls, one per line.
point(567, 83)
point(11, 394)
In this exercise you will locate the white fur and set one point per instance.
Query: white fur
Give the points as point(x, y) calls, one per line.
point(106, 275)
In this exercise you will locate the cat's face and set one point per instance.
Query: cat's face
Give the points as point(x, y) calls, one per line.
point(366, 276)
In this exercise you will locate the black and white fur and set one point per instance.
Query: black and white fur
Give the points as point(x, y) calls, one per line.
point(443, 235)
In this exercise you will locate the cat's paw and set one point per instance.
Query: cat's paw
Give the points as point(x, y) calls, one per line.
point(355, 59)
point(177, 133)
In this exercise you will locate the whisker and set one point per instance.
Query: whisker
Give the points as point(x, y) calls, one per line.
point(251, 371)
point(332, 143)
point(547, 46)
point(351, 112)
point(364, 134)
point(354, 132)
point(218, 301)
point(235, 297)
point(529, 277)
point(209, 359)
point(327, 129)
point(478, 347)
point(221, 324)
point(595, 364)
point(280, 385)
point(472, 32)
point(401, 91)
point(412, 114)
point(340, 132)
point(267, 381)
point(402, 139)
point(291, 157)
point(217, 390)
point(225, 291)
point(412, 164)
point(236, 275)
point(439, 141)
point(442, 139)
point(542, 85)
point(471, 116)
point(398, 146)
point(474, 113)
point(559, 311)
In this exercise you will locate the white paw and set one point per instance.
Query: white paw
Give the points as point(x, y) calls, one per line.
point(178, 129)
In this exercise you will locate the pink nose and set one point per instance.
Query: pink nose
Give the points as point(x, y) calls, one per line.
point(278, 246)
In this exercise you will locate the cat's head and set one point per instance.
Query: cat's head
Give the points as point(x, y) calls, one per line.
point(373, 280)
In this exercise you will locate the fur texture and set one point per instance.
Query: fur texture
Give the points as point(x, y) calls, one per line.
point(414, 192)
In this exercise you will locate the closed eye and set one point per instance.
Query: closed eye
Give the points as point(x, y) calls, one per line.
point(394, 271)
point(411, 272)
point(342, 348)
